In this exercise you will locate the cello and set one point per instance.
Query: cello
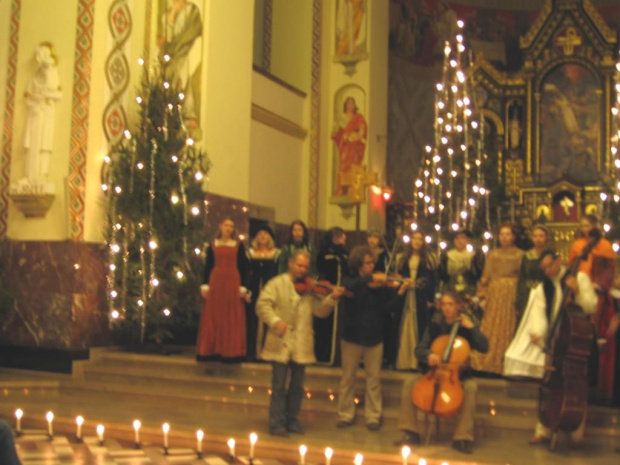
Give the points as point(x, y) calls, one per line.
point(563, 392)
point(440, 391)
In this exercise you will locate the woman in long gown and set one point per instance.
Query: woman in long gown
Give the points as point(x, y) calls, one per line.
point(263, 256)
point(498, 287)
point(600, 267)
point(419, 264)
point(531, 274)
point(221, 331)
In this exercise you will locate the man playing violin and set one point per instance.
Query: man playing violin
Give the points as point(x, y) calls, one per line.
point(441, 324)
point(362, 335)
point(289, 343)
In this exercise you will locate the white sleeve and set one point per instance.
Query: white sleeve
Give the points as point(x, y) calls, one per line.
point(266, 304)
point(586, 298)
point(535, 319)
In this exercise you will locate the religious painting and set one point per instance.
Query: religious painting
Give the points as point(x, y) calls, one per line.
point(350, 27)
point(565, 208)
point(570, 125)
point(179, 38)
point(349, 135)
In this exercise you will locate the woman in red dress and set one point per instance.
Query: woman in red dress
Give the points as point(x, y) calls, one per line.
point(221, 332)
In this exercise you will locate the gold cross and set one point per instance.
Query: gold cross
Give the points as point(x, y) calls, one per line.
point(356, 180)
point(567, 42)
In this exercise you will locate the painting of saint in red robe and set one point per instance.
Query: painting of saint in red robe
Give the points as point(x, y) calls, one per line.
point(350, 138)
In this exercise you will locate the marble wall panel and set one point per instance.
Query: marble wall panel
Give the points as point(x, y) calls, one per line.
point(57, 291)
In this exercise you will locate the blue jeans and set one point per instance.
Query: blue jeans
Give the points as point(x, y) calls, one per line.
point(285, 405)
point(8, 454)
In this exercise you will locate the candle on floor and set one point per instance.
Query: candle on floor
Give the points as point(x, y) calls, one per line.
point(137, 424)
point(302, 454)
point(405, 452)
point(199, 437)
point(50, 418)
point(166, 429)
point(19, 413)
point(79, 421)
point(329, 453)
point(359, 458)
point(100, 431)
point(231, 447)
point(253, 439)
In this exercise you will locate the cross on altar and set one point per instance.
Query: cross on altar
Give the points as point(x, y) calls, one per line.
point(356, 180)
point(568, 41)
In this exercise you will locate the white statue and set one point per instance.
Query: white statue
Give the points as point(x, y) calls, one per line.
point(42, 92)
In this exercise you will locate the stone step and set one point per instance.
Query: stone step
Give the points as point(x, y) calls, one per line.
point(509, 413)
point(260, 386)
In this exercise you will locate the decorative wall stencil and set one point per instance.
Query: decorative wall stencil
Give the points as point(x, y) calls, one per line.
point(148, 15)
point(79, 117)
point(117, 71)
point(9, 110)
point(315, 115)
point(267, 29)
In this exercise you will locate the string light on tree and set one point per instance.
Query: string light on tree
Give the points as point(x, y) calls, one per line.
point(450, 187)
point(610, 200)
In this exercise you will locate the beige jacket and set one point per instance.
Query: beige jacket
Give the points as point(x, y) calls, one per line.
point(279, 301)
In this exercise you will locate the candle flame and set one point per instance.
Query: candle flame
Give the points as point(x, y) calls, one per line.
point(253, 438)
point(49, 416)
point(19, 413)
point(200, 435)
point(137, 424)
point(329, 453)
point(79, 420)
point(165, 428)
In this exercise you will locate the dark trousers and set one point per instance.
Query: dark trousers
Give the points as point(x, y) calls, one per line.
point(285, 404)
point(8, 454)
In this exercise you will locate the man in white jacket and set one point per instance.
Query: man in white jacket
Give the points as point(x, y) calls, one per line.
point(525, 355)
point(289, 344)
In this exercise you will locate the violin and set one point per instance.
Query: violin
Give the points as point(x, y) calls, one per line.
point(440, 391)
point(310, 285)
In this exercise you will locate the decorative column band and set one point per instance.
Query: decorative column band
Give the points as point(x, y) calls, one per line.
point(315, 114)
point(9, 112)
point(79, 117)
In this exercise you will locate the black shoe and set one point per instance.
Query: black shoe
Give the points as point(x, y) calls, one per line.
point(278, 432)
point(344, 423)
point(295, 428)
point(463, 445)
point(409, 439)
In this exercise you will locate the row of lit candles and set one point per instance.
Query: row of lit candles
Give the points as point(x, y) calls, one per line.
point(137, 424)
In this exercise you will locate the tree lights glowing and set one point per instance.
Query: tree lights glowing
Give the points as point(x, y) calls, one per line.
point(450, 188)
point(153, 180)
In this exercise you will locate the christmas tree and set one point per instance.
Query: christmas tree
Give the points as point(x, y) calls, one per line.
point(451, 191)
point(154, 182)
point(610, 197)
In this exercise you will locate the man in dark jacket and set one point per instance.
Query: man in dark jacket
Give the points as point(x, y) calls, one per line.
point(362, 336)
point(441, 324)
